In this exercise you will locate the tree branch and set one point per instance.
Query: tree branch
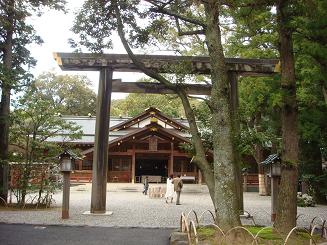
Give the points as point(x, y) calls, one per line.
point(139, 64)
point(196, 139)
point(198, 98)
point(187, 33)
point(163, 10)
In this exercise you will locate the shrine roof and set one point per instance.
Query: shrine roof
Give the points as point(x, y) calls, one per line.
point(117, 130)
point(152, 129)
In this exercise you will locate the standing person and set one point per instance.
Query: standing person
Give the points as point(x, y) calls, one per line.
point(146, 185)
point(178, 185)
point(169, 189)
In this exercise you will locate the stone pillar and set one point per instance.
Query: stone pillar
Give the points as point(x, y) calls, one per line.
point(100, 157)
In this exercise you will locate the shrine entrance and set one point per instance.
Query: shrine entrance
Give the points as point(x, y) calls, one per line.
point(109, 63)
point(155, 168)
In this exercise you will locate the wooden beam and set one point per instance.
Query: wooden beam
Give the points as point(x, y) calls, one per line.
point(157, 88)
point(161, 63)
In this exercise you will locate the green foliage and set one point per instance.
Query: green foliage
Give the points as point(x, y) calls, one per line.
point(260, 102)
point(316, 187)
point(34, 124)
point(260, 99)
point(255, 34)
point(13, 20)
point(205, 233)
point(96, 22)
point(305, 200)
point(15, 61)
point(204, 117)
point(68, 95)
point(36, 118)
point(266, 234)
point(135, 104)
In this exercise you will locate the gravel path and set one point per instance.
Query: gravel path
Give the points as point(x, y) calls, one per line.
point(132, 209)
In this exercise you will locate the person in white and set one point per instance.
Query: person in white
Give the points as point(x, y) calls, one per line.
point(169, 189)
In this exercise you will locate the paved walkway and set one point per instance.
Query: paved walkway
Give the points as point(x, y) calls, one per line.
point(132, 209)
point(81, 235)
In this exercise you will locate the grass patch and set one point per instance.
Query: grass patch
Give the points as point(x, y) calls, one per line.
point(210, 235)
point(266, 234)
point(206, 232)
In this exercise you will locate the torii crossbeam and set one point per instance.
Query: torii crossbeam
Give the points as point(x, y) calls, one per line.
point(108, 63)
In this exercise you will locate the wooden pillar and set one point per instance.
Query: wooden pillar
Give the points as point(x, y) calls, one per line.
point(100, 157)
point(274, 197)
point(80, 164)
point(199, 176)
point(262, 181)
point(133, 164)
point(171, 161)
point(245, 182)
point(65, 196)
point(234, 102)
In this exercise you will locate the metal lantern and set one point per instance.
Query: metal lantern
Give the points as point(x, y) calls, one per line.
point(275, 169)
point(66, 161)
point(66, 164)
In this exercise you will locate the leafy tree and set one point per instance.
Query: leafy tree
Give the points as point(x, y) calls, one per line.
point(15, 59)
point(96, 22)
point(311, 39)
point(34, 122)
point(312, 115)
point(135, 104)
point(304, 30)
point(70, 95)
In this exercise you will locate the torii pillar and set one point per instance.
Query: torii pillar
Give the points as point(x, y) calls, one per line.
point(100, 156)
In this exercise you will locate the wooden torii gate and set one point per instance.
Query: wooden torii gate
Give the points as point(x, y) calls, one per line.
point(108, 63)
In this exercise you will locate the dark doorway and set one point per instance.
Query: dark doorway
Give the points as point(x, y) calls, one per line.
point(158, 167)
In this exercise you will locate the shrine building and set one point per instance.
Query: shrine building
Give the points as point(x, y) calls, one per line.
point(148, 144)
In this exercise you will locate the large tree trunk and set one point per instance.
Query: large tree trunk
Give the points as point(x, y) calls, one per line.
point(286, 206)
point(226, 201)
point(5, 103)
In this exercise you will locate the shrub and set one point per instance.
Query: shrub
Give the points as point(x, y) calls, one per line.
point(305, 200)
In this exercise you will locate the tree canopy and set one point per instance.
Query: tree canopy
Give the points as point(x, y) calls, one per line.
point(15, 60)
point(69, 94)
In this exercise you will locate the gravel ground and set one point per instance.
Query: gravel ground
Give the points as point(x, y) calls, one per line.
point(132, 209)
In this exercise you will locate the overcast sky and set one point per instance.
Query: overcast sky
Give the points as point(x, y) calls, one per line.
point(54, 29)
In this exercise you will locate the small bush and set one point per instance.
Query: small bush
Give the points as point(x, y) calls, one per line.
point(305, 200)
